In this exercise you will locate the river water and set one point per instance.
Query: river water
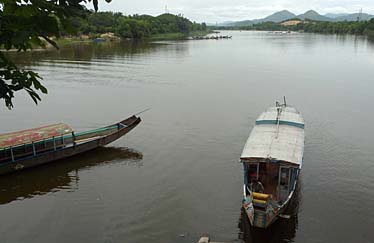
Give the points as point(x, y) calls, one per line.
point(176, 176)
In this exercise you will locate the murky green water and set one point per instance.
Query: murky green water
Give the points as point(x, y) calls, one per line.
point(177, 173)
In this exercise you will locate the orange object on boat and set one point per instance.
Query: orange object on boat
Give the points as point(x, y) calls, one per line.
point(260, 196)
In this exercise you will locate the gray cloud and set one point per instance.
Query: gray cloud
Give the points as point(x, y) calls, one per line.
point(222, 10)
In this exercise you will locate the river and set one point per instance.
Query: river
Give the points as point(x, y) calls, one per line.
point(177, 176)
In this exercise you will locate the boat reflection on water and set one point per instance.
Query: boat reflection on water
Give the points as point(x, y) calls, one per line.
point(283, 230)
point(62, 175)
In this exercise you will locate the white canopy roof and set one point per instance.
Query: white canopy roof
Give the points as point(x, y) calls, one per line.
point(284, 142)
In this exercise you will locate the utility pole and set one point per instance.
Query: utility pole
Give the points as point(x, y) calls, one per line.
point(166, 9)
point(359, 16)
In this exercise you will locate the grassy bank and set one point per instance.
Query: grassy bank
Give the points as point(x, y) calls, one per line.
point(66, 41)
point(167, 36)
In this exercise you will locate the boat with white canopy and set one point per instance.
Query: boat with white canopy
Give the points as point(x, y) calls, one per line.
point(272, 159)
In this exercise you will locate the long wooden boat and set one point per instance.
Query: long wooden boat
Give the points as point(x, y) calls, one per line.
point(33, 147)
point(272, 160)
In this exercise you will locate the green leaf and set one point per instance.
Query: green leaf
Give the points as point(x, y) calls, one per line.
point(43, 89)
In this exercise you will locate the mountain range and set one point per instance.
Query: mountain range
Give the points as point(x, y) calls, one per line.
point(311, 15)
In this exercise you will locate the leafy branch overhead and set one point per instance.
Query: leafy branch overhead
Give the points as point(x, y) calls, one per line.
point(24, 24)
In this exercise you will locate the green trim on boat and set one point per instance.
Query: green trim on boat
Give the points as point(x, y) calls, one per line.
point(96, 130)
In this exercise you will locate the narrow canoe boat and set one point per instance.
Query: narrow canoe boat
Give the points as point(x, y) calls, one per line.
point(33, 147)
point(272, 160)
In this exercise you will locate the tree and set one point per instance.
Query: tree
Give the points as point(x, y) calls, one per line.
point(124, 29)
point(28, 23)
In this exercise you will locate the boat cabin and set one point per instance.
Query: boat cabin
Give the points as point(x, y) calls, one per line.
point(277, 178)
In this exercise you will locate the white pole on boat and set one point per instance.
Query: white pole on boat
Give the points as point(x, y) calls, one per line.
point(54, 144)
point(33, 148)
point(11, 153)
point(289, 178)
point(279, 180)
point(73, 135)
point(279, 110)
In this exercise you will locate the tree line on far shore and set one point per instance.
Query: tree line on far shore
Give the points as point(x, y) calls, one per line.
point(134, 26)
point(344, 27)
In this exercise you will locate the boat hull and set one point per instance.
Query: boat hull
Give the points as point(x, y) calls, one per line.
point(71, 150)
point(265, 218)
point(259, 218)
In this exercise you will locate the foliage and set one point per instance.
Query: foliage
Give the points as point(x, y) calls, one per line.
point(310, 26)
point(135, 26)
point(26, 23)
point(271, 26)
point(344, 27)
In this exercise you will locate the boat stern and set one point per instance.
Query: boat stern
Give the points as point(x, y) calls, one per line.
point(259, 208)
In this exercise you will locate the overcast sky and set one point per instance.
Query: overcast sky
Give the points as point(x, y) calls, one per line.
point(212, 11)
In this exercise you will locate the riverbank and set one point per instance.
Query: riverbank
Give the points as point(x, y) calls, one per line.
point(361, 28)
point(64, 41)
point(179, 36)
point(69, 41)
point(109, 36)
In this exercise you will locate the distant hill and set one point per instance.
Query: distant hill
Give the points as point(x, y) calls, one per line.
point(284, 15)
point(226, 23)
point(354, 17)
point(278, 17)
point(313, 15)
point(240, 23)
point(275, 17)
point(335, 15)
